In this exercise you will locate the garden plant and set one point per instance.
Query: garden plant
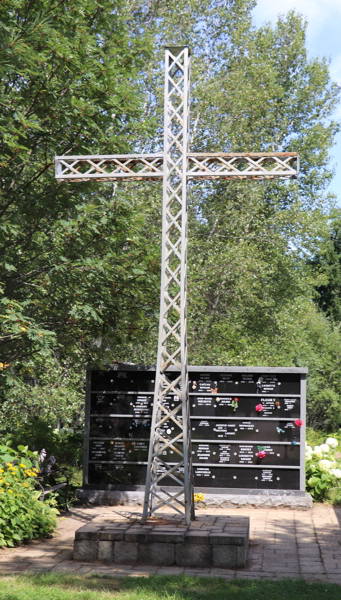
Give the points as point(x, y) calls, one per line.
point(22, 516)
point(323, 471)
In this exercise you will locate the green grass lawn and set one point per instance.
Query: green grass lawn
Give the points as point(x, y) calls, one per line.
point(173, 587)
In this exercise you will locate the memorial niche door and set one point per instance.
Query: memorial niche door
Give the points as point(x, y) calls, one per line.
point(228, 432)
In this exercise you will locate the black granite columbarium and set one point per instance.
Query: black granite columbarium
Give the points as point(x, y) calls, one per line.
point(245, 426)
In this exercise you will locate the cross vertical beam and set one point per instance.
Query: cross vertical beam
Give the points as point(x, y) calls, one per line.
point(172, 347)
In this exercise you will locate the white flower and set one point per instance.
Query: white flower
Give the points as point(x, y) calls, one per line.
point(332, 442)
point(336, 473)
point(308, 448)
point(317, 451)
point(325, 465)
point(325, 448)
point(308, 456)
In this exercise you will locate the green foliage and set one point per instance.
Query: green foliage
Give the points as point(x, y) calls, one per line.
point(66, 444)
point(44, 389)
point(71, 257)
point(323, 471)
point(22, 516)
point(328, 262)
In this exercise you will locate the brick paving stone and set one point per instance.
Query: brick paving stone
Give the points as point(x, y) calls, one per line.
point(334, 578)
point(66, 566)
point(145, 569)
point(312, 569)
point(170, 570)
point(282, 569)
point(85, 570)
point(10, 566)
point(334, 570)
point(241, 575)
point(219, 572)
point(256, 568)
point(39, 569)
point(33, 554)
point(63, 555)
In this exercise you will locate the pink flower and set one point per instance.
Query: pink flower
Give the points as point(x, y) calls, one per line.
point(259, 408)
point(261, 454)
point(298, 423)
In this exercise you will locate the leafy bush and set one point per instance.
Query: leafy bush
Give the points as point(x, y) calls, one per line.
point(66, 445)
point(22, 516)
point(323, 471)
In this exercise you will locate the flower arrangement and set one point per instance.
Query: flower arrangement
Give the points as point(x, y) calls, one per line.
point(261, 454)
point(323, 470)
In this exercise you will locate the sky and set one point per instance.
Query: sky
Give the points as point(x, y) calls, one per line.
point(323, 39)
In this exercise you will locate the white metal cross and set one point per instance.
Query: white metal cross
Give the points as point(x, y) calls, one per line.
point(170, 431)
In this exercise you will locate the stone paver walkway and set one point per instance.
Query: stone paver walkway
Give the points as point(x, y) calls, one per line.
point(283, 543)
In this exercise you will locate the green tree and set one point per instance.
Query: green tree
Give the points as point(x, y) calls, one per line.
point(72, 257)
point(328, 262)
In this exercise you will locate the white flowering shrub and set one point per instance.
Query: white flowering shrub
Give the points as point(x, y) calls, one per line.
point(332, 442)
point(323, 469)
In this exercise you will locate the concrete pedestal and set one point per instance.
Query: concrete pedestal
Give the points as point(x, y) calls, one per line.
point(209, 541)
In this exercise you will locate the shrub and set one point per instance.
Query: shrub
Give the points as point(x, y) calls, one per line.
point(22, 516)
point(66, 445)
point(323, 471)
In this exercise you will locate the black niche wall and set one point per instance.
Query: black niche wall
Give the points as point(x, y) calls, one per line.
point(246, 425)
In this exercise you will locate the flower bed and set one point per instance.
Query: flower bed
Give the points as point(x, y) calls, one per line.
point(22, 516)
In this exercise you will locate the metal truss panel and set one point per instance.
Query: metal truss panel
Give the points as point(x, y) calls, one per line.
point(251, 165)
point(109, 167)
point(171, 396)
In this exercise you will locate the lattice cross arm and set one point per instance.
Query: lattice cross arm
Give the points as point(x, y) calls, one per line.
point(216, 165)
point(135, 167)
point(243, 165)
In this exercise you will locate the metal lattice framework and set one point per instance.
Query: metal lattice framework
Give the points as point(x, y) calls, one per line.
point(217, 165)
point(109, 168)
point(170, 429)
point(173, 308)
point(251, 165)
